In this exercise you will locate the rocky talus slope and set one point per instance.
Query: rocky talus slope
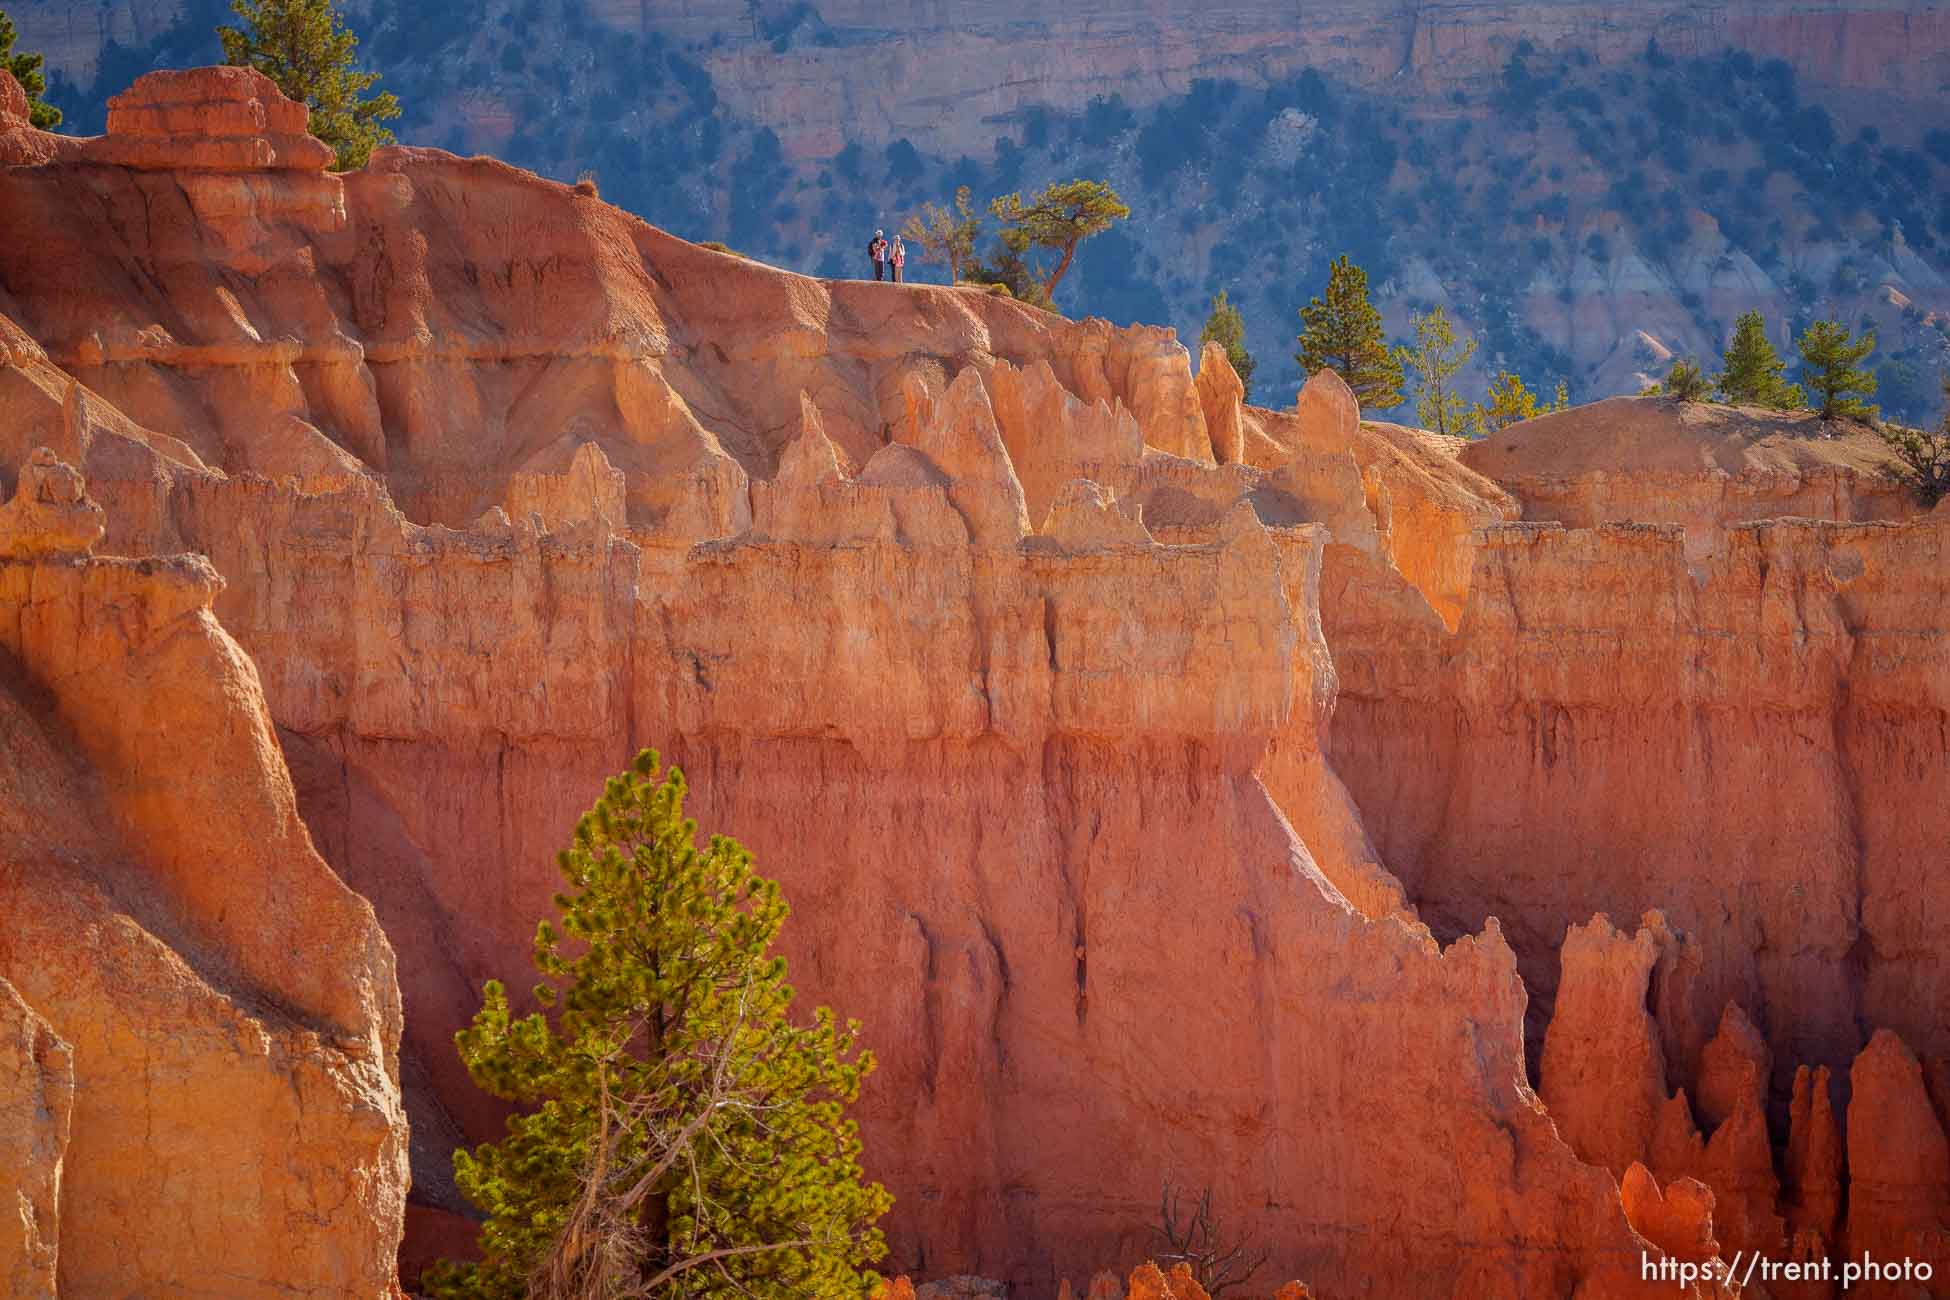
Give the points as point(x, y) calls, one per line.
point(1174, 789)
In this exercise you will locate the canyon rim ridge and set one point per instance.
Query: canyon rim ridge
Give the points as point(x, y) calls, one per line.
point(1590, 191)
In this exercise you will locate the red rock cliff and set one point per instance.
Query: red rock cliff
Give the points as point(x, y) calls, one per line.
point(1039, 712)
point(205, 1020)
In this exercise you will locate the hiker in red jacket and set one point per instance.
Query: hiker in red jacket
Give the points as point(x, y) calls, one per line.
point(877, 250)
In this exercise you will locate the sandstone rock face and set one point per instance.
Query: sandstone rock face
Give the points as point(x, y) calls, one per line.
point(36, 1098)
point(1678, 1220)
point(1085, 518)
point(19, 141)
point(50, 514)
point(1326, 413)
point(1604, 1073)
point(1219, 394)
point(168, 918)
point(1655, 460)
point(1053, 437)
point(1813, 1183)
point(1734, 1070)
point(1537, 739)
point(960, 439)
point(725, 676)
point(1149, 1282)
point(1738, 1165)
point(1899, 1164)
point(1056, 725)
point(1422, 503)
point(1604, 1078)
point(14, 107)
point(1573, 731)
point(1303, 763)
point(217, 119)
point(1154, 376)
point(587, 490)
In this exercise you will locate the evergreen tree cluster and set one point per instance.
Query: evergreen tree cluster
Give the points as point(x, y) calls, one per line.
point(1753, 373)
point(1342, 331)
point(1055, 221)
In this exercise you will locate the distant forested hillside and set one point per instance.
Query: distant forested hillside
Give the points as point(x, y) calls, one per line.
point(1589, 213)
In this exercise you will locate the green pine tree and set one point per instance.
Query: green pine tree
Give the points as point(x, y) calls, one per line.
point(1831, 373)
point(1436, 357)
point(27, 71)
point(1752, 373)
point(1687, 381)
point(1342, 333)
point(1225, 327)
point(1512, 402)
point(1058, 219)
point(304, 47)
point(946, 235)
point(683, 1137)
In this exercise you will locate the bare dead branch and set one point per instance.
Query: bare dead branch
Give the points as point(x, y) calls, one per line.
point(1192, 1236)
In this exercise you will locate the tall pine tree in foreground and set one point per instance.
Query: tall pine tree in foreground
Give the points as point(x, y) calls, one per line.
point(1752, 373)
point(27, 71)
point(304, 47)
point(1227, 328)
point(1831, 371)
point(682, 1137)
point(1342, 332)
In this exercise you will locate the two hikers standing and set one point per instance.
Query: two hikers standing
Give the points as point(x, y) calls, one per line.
point(887, 258)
